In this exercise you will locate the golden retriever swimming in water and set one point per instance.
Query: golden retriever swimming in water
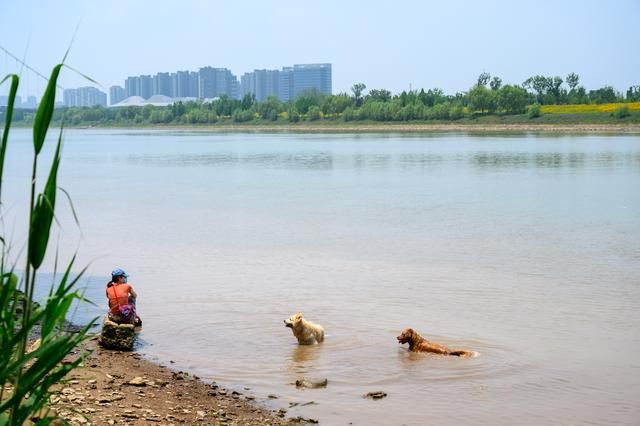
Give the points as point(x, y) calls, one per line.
point(417, 343)
point(305, 331)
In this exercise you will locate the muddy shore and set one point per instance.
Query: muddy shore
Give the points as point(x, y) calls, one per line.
point(113, 387)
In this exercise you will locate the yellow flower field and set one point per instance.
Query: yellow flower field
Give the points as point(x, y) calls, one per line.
point(582, 109)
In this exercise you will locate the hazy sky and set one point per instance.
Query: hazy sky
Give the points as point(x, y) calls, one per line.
point(385, 44)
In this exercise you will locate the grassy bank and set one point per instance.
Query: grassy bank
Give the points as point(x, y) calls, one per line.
point(553, 118)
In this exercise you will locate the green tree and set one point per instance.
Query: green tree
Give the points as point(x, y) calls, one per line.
point(294, 115)
point(268, 108)
point(178, 109)
point(533, 111)
point(495, 83)
point(456, 112)
point(604, 95)
point(314, 113)
point(554, 89)
point(432, 97)
point(248, 101)
point(573, 80)
point(336, 104)
point(357, 90)
point(307, 99)
point(225, 106)
point(578, 96)
point(633, 94)
point(240, 116)
point(539, 84)
point(146, 112)
point(379, 95)
point(481, 99)
point(350, 114)
point(512, 99)
point(483, 79)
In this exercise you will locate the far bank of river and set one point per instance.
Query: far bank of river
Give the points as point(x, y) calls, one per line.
point(380, 127)
point(578, 128)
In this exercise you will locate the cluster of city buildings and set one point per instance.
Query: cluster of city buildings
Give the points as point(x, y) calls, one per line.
point(210, 83)
point(84, 96)
point(30, 103)
point(207, 83)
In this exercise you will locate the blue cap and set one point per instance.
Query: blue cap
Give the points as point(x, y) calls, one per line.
point(119, 272)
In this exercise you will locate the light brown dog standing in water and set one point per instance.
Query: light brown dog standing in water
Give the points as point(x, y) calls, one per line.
point(305, 331)
point(417, 343)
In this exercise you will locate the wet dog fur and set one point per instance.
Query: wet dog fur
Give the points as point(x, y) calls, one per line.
point(417, 343)
point(305, 331)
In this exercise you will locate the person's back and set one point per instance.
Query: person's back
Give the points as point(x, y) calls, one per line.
point(122, 298)
point(118, 294)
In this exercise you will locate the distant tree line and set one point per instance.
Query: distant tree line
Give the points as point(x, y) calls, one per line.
point(488, 96)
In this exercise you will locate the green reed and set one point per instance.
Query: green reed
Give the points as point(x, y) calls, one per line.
point(27, 377)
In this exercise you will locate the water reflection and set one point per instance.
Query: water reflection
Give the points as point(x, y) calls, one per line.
point(303, 359)
point(299, 160)
point(327, 160)
point(552, 160)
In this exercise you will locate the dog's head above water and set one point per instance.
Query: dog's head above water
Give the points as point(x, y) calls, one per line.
point(293, 320)
point(406, 336)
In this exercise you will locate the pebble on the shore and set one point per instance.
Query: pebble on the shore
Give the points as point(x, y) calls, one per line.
point(312, 384)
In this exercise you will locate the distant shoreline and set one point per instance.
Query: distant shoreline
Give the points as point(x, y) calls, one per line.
point(582, 128)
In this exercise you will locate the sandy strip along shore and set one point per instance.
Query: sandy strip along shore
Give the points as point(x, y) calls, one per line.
point(577, 128)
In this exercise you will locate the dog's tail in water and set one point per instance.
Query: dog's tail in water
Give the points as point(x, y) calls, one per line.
point(464, 354)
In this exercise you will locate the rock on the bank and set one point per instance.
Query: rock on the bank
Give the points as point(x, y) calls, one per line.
point(117, 336)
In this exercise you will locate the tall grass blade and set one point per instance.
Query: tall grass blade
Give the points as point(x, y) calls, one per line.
point(83, 75)
point(7, 122)
point(45, 111)
point(73, 210)
point(43, 213)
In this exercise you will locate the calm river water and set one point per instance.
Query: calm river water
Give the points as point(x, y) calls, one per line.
point(525, 248)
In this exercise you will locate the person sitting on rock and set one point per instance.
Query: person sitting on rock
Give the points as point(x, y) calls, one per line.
point(122, 299)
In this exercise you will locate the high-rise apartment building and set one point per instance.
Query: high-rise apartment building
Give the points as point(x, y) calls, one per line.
point(194, 84)
point(285, 85)
point(247, 84)
point(146, 86)
point(132, 86)
point(116, 94)
point(289, 82)
point(180, 84)
point(162, 85)
point(311, 76)
point(216, 82)
point(84, 97)
point(184, 84)
point(262, 83)
point(30, 103)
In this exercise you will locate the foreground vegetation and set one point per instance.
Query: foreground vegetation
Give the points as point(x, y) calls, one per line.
point(538, 96)
point(27, 372)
